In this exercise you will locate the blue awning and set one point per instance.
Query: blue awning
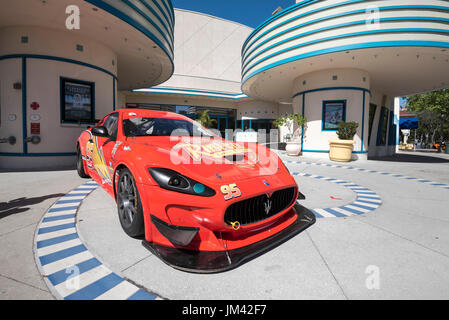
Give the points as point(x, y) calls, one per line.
point(408, 123)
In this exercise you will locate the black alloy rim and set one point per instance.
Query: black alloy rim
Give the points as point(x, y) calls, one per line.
point(127, 200)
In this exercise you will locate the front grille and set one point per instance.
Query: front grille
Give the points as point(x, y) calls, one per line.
point(256, 209)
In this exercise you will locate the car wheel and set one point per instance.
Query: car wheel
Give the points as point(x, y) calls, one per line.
point(129, 206)
point(80, 165)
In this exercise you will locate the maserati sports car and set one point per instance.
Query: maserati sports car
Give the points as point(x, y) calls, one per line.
point(201, 203)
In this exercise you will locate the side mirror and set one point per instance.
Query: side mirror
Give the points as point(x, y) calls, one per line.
point(100, 132)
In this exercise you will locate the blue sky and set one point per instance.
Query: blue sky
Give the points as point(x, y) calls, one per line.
point(247, 12)
point(403, 102)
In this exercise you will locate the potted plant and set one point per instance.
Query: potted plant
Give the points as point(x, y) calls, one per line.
point(341, 148)
point(293, 147)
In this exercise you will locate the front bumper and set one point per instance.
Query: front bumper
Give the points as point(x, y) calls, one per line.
point(219, 261)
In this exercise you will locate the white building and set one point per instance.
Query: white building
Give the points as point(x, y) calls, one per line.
point(328, 60)
point(355, 56)
point(119, 46)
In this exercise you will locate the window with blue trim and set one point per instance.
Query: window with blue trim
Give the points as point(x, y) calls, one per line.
point(77, 101)
point(372, 113)
point(392, 130)
point(383, 127)
point(334, 112)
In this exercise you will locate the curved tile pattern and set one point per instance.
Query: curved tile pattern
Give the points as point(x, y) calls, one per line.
point(311, 28)
point(69, 269)
point(366, 201)
point(394, 175)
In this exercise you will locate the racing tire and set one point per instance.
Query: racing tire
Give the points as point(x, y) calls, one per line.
point(129, 205)
point(80, 165)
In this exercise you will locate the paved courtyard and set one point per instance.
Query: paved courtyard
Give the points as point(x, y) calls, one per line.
point(382, 232)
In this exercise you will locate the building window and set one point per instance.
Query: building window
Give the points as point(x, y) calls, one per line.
point(383, 127)
point(77, 101)
point(111, 124)
point(334, 112)
point(246, 125)
point(392, 130)
point(372, 113)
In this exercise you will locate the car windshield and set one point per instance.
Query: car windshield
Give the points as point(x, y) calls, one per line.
point(163, 127)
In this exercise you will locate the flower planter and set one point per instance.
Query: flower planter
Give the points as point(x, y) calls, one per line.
point(293, 148)
point(341, 150)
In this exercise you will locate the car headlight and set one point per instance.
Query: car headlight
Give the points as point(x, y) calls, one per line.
point(174, 181)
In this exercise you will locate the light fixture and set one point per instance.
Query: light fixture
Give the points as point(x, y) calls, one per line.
point(278, 9)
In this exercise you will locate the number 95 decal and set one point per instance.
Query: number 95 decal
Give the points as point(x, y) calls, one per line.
point(230, 191)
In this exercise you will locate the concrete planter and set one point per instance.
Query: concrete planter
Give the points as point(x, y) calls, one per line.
point(293, 148)
point(341, 150)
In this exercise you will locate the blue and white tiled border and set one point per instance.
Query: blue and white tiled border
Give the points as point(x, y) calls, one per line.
point(69, 269)
point(365, 202)
point(394, 175)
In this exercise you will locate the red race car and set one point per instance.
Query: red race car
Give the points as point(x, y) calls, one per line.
point(204, 204)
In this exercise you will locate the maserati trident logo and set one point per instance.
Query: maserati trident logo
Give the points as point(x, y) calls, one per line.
point(267, 206)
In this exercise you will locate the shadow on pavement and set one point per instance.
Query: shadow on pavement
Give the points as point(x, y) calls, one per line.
point(64, 168)
point(411, 158)
point(20, 205)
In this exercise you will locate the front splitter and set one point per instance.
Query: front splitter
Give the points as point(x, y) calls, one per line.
point(219, 261)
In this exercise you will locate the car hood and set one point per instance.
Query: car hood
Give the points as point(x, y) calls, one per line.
point(212, 160)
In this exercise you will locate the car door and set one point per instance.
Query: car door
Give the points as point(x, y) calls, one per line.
point(105, 146)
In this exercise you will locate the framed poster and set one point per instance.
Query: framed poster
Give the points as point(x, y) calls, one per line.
point(77, 101)
point(334, 112)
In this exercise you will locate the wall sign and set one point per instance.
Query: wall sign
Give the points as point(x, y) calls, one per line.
point(35, 128)
point(246, 136)
point(35, 117)
point(34, 105)
point(12, 117)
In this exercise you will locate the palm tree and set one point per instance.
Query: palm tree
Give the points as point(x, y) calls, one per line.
point(205, 119)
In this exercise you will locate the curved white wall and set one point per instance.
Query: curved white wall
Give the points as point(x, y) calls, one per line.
point(52, 42)
point(207, 53)
point(350, 85)
point(314, 35)
point(48, 56)
point(257, 110)
point(119, 44)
